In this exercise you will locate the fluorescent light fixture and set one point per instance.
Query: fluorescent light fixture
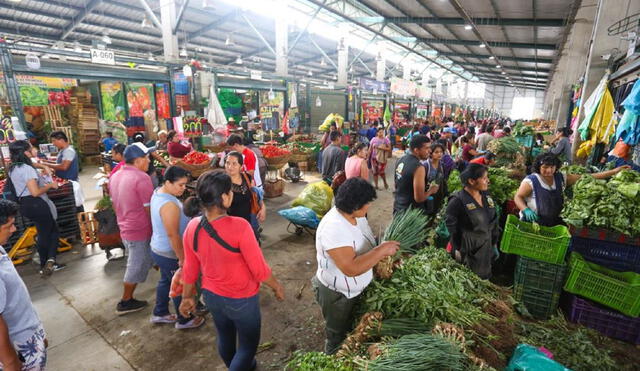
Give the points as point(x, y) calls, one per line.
point(498, 66)
point(482, 45)
point(492, 57)
point(106, 39)
point(183, 52)
point(309, 73)
point(467, 27)
point(76, 46)
point(229, 41)
point(504, 73)
point(238, 60)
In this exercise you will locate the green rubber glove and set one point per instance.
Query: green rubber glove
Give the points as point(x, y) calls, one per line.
point(529, 215)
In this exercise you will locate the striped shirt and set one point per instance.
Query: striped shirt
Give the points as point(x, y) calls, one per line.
point(334, 232)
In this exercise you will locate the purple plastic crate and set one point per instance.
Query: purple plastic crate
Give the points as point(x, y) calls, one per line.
point(606, 321)
point(617, 256)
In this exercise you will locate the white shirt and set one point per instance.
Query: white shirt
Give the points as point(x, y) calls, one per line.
point(334, 232)
point(531, 200)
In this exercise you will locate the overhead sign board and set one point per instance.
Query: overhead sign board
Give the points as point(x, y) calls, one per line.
point(103, 56)
point(374, 85)
point(256, 75)
point(403, 87)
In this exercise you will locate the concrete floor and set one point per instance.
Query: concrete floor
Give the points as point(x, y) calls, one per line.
point(77, 304)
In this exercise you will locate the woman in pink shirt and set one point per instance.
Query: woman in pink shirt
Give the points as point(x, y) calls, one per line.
point(224, 250)
point(356, 164)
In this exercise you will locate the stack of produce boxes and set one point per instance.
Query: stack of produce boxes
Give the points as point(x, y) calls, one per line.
point(604, 275)
point(541, 269)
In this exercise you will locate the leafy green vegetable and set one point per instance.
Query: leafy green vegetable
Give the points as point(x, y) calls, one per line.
point(316, 361)
point(104, 204)
point(612, 204)
point(419, 352)
point(521, 130)
point(501, 187)
point(408, 228)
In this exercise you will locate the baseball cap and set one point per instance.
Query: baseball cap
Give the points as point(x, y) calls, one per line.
point(136, 150)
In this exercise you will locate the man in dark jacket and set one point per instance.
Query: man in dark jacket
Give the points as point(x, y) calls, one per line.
point(333, 157)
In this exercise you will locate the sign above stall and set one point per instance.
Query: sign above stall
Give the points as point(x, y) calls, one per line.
point(103, 56)
point(33, 62)
point(403, 87)
point(256, 75)
point(374, 85)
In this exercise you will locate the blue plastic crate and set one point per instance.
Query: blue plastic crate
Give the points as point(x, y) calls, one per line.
point(617, 256)
point(526, 140)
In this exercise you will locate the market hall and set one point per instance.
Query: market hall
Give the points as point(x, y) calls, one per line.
point(319, 185)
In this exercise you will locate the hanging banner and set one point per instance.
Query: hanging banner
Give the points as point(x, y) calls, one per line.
point(423, 92)
point(162, 101)
point(372, 110)
point(112, 98)
point(403, 87)
point(401, 112)
point(422, 111)
point(142, 109)
point(374, 85)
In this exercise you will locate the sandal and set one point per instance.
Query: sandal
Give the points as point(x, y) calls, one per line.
point(169, 318)
point(195, 322)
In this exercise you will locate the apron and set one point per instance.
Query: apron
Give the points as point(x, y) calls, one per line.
point(548, 203)
point(476, 245)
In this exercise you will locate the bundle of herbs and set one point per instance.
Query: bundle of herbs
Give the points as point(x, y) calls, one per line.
point(419, 352)
point(612, 204)
point(431, 287)
point(408, 228)
point(317, 361)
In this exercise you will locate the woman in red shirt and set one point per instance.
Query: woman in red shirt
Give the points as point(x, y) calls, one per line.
point(224, 250)
point(174, 147)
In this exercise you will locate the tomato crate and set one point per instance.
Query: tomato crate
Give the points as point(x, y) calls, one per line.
point(549, 244)
point(617, 290)
point(606, 321)
point(534, 274)
point(617, 256)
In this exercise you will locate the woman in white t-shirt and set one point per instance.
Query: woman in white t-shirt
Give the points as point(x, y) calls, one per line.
point(540, 196)
point(346, 251)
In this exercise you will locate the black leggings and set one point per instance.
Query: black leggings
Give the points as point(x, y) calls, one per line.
point(37, 210)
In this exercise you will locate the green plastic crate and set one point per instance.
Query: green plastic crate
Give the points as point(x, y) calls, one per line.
point(539, 303)
point(534, 274)
point(548, 245)
point(617, 290)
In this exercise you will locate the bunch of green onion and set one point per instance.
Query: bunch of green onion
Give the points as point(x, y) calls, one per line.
point(420, 352)
point(408, 228)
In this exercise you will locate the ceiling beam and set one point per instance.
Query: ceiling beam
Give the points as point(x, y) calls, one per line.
point(213, 25)
point(184, 6)
point(502, 58)
point(79, 18)
point(523, 22)
point(495, 44)
point(493, 67)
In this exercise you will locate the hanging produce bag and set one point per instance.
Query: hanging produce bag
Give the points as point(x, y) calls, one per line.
point(215, 116)
point(317, 197)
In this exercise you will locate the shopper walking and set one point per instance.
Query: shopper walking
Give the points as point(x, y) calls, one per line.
point(380, 151)
point(435, 176)
point(356, 164)
point(484, 138)
point(131, 190)
point(168, 224)
point(23, 342)
point(250, 159)
point(472, 221)
point(246, 201)
point(562, 145)
point(226, 253)
point(325, 142)
point(31, 191)
point(153, 156)
point(67, 165)
point(117, 157)
point(346, 251)
point(333, 158)
point(410, 176)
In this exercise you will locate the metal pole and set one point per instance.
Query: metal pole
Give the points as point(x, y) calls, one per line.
point(322, 52)
point(295, 42)
point(180, 14)
point(151, 14)
point(266, 43)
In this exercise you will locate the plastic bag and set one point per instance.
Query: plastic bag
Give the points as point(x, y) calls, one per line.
point(529, 358)
point(176, 284)
point(326, 124)
point(301, 215)
point(317, 197)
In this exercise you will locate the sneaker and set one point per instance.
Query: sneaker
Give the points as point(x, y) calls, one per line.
point(169, 318)
point(195, 322)
point(59, 267)
point(130, 306)
point(48, 267)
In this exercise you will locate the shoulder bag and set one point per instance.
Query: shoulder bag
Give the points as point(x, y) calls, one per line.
point(255, 204)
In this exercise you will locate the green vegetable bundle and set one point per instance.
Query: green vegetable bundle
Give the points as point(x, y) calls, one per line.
point(399, 327)
point(419, 352)
point(507, 150)
point(104, 204)
point(431, 287)
point(501, 187)
point(521, 130)
point(408, 228)
point(316, 361)
point(612, 204)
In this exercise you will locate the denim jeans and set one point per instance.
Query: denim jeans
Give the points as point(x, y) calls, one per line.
point(167, 268)
point(37, 210)
point(236, 320)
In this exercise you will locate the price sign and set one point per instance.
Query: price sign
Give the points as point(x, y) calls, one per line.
point(103, 56)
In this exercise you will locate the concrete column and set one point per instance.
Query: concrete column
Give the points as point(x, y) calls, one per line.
point(169, 40)
point(282, 46)
point(343, 62)
point(380, 68)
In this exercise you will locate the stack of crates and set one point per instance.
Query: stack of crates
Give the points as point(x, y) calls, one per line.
point(604, 278)
point(541, 269)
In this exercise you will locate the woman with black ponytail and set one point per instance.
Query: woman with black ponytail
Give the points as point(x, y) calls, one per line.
point(31, 191)
point(225, 251)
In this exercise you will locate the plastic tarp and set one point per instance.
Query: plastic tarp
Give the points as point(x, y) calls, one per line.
point(301, 215)
point(529, 358)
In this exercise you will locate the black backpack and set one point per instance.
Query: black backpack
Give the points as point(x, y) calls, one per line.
point(9, 191)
